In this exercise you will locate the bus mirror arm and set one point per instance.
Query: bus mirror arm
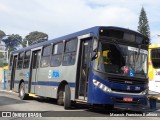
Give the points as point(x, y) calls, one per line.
point(94, 54)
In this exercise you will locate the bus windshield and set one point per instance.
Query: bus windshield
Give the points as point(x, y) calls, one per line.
point(155, 57)
point(121, 59)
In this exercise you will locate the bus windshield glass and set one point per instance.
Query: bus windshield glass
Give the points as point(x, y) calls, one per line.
point(155, 57)
point(121, 59)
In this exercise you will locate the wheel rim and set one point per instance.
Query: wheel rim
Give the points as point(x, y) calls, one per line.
point(22, 91)
point(63, 97)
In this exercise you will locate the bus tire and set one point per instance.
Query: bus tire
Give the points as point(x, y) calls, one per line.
point(22, 94)
point(67, 97)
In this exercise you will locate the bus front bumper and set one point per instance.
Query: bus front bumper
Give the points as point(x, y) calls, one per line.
point(101, 97)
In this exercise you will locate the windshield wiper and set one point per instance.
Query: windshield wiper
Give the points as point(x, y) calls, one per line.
point(139, 48)
point(136, 57)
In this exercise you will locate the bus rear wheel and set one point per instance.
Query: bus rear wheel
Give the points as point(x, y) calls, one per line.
point(67, 97)
point(22, 93)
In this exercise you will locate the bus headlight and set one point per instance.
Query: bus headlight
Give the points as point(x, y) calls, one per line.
point(144, 92)
point(101, 86)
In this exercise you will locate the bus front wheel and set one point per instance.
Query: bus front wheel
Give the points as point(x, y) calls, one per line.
point(22, 93)
point(67, 97)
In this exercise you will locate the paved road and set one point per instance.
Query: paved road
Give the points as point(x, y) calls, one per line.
point(10, 101)
point(1, 86)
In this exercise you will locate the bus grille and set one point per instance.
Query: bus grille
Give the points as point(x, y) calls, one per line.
point(125, 91)
point(127, 81)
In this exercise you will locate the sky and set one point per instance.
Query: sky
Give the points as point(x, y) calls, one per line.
point(61, 17)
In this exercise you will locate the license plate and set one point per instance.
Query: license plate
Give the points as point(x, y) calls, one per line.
point(127, 99)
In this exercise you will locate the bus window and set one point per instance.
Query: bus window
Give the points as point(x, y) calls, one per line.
point(70, 52)
point(46, 56)
point(155, 57)
point(57, 55)
point(26, 60)
point(20, 61)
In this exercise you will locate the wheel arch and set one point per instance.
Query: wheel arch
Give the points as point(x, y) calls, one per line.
point(61, 86)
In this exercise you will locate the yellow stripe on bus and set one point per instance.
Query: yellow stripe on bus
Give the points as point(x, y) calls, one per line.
point(154, 46)
point(151, 70)
point(32, 95)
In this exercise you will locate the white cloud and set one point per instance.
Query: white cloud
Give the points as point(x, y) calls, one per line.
point(3, 8)
point(57, 18)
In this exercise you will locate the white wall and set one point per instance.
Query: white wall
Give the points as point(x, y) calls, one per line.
point(1, 75)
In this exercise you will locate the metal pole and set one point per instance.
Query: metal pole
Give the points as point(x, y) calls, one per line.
point(4, 82)
point(7, 56)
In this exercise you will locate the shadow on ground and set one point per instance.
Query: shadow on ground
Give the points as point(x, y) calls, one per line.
point(9, 101)
point(83, 110)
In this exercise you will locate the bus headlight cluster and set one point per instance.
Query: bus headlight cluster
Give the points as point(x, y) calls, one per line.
point(144, 92)
point(101, 86)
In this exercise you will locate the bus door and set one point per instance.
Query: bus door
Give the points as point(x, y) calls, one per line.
point(34, 70)
point(84, 69)
point(14, 62)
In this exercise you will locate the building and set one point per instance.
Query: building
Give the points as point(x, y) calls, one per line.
point(2, 46)
point(3, 52)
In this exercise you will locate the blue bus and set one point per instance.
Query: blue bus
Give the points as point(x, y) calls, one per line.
point(102, 65)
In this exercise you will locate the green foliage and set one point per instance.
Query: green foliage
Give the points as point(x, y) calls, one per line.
point(1, 55)
point(1, 63)
point(1, 59)
point(143, 26)
point(35, 37)
point(13, 41)
point(2, 34)
point(24, 43)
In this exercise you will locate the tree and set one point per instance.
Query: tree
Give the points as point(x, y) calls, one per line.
point(1, 59)
point(1, 55)
point(35, 37)
point(143, 26)
point(2, 34)
point(1, 63)
point(13, 41)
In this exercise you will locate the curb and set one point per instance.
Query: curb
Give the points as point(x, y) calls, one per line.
point(8, 91)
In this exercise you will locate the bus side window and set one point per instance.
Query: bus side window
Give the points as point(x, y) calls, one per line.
point(57, 55)
point(20, 60)
point(45, 60)
point(69, 57)
point(26, 60)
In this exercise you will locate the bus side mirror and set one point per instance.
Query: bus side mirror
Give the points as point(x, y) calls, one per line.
point(95, 48)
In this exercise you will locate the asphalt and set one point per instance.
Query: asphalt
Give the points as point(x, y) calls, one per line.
point(2, 89)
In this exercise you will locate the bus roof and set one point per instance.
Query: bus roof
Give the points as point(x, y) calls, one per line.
point(94, 30)
point(154, 46)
